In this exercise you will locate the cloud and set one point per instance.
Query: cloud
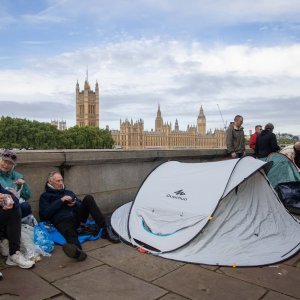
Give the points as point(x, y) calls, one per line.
point(135, 75)
point(242, 56)
point(43, 111)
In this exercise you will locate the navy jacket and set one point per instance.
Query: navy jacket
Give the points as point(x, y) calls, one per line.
point(53, 209)
point(4, 191)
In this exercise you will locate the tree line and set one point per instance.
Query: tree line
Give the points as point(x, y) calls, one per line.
point(25, 134)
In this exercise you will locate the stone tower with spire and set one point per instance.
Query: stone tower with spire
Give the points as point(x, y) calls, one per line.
point(176, 126)
point(201, 122)
point(87, 105)
point(159, 120)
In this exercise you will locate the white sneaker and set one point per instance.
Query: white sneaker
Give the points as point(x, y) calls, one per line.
point(4, 247)
point(18, 259)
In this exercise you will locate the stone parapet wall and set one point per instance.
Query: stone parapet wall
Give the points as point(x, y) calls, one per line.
point(111, 176)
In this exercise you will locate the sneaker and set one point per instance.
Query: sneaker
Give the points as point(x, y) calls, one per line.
point(19, 260)
point(4, 247)
point(71, 250)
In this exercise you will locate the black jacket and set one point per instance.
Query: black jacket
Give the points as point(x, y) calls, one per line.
point(266, 143)
point(53, 209)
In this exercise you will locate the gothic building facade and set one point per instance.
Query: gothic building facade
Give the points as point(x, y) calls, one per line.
point(132, 135)
point(87, 105)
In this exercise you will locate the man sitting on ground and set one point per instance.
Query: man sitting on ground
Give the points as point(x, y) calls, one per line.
point(66, 212)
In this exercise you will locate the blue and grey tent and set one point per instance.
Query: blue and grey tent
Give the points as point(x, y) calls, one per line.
point(285, 179)
point(282, 170)
point(219, 213)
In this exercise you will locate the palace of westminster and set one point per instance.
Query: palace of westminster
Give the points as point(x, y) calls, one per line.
point(132, 135)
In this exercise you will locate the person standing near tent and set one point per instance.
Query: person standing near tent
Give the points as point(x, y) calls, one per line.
point(266, 142)
point(66, 212)
point(293, 153)
point(235, 138)
point(253, 137)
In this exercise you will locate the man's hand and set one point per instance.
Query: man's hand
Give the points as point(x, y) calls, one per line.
point(71, 203)
point(66, 198)
point(69, 200)
point(13, 191)
point(19, 181)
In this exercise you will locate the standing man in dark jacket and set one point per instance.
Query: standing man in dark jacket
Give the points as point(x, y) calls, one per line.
point(266, 142)
point(66, 212)
point(235, 138)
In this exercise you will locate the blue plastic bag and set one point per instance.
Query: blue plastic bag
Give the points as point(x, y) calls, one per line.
point(42, 239)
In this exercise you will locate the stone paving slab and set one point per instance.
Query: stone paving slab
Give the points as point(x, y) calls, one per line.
point(24, 284)
point(208, 267)
point(281, 278)
point(3, 265)
point(274, 295)
point(129, 260)
point(195, 282)
point(105, 282)
point(92, 245)
point(60, 297)
point(173, 297)
point(59, 265)
point(294, 261)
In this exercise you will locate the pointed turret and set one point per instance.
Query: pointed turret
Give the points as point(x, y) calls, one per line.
point(176, 125)
point(201, 122)
point(158, 120)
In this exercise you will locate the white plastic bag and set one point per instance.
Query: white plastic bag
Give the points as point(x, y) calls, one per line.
point(27, 247)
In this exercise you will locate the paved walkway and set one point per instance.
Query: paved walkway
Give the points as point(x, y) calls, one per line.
point(117, 271)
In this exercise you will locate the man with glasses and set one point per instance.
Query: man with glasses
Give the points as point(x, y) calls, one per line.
point(66, 212)
point(253, 137)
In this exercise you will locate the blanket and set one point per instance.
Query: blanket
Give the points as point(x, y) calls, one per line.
point(57, 238)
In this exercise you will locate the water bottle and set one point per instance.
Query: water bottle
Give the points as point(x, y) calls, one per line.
point(42, 239)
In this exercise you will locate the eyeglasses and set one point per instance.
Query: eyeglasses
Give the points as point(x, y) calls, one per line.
point(9, 155)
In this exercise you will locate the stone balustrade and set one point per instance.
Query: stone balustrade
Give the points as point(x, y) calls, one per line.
point(111, 176)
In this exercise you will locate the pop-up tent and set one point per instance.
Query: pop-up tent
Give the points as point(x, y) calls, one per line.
point(218, 213)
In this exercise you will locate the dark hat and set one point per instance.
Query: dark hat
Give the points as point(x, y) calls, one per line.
point(10, 156)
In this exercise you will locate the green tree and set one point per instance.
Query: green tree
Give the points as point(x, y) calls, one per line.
point(22, 133)
point(86, 138)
